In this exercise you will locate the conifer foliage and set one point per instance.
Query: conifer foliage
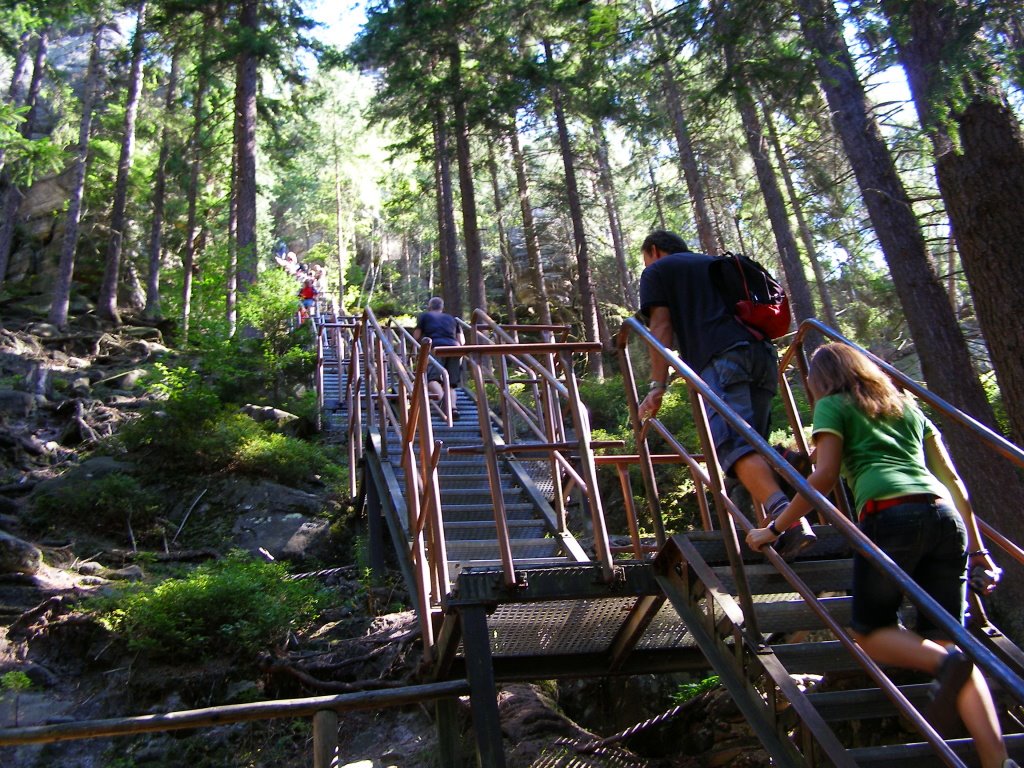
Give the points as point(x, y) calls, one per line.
point(510, 156)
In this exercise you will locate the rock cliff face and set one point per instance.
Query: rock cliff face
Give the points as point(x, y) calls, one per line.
point(40, 219)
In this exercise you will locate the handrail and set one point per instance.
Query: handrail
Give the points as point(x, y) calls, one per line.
point(341, 335)
point(700, 396)
point(985, 658)
point(524, 355)
point(325, 729)
point(407, 416)
point(989, 437)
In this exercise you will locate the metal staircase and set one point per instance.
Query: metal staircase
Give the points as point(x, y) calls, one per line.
point(506, 588)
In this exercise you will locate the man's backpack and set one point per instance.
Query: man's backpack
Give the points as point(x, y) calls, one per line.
point(758, 300)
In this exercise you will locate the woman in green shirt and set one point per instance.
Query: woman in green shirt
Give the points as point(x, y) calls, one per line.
point(913, 505)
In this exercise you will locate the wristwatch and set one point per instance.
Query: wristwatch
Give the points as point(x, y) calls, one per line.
point(654, 386)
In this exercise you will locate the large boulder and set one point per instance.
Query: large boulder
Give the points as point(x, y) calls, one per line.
point(281, 421)
point(17, 404)
point(17, 556)
point(269, 517)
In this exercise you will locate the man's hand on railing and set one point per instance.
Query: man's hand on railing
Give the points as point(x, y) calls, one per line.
point(651, 404)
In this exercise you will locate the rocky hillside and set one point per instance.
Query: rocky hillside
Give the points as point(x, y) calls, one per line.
point(64, 396)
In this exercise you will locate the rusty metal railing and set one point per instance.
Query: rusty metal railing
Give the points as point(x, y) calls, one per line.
point(340, 335)
point(547, 368)
point(708, 481)
point(397, 395)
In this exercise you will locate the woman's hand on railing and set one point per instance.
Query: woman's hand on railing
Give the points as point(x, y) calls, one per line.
point(983, 573)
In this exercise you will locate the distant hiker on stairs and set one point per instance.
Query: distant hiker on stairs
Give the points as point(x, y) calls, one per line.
point(442, 330)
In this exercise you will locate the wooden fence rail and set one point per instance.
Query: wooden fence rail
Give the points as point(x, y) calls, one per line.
point(323, 710)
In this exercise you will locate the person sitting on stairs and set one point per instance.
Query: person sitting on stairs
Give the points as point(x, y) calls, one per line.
point(894, 461)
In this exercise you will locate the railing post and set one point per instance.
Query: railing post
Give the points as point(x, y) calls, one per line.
point(642, 448)
point(325, 739)
point(374, 530)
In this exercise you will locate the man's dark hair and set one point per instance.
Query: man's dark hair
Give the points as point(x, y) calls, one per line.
point(669, 242)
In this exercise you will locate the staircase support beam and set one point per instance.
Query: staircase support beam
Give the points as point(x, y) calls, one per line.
point(483, 693)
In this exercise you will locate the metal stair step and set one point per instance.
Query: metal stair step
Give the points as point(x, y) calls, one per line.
point(864, 703)
point(457, 566)
point(478, 530)
point(456, 498)
point(485, 511)
point(483, 549)
point(796, 615)
point(921, 755)
point(819, 657)
point(819, 575)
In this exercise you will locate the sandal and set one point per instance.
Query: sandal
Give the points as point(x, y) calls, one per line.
point(953, 674)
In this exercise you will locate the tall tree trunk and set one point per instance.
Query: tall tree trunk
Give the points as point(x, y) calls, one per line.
point(588, 300)
point(504, 249)
point(135, 295)
point(194, 174)
point(11, 199)
point(245, 142)
point(152, 310)
point(945, 359)
point(232, 276)
point(687, 155)
point(20, 62)
point(981, 178)
point(801, 221)
point(451, 289)
point(14, 91)
point(659, 203)
point(61, 299)
point(339, 230)
point(627, 294)
point(106, 306)
point(542, 304)
point(470, 230)
point(796, 281)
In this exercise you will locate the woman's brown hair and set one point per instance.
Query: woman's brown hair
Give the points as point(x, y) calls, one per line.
point(839, 368)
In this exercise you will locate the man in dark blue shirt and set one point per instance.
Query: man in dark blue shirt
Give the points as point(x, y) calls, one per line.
point(443, 331)
point(684, 308)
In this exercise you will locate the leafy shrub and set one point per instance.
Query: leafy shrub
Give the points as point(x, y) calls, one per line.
point(236, 607)
point(284, 459)
point(606, 401)
point(107, 505)
point(687, 691)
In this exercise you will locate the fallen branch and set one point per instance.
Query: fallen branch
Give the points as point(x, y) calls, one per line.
point(189, 512)
point(183, 555)
point(330, 686)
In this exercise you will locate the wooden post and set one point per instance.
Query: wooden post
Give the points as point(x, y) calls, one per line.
point(325, 739)
point(448, 741)
point(483, 693)
point(374, 530)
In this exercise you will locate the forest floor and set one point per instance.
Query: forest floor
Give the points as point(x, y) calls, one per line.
point(62, 394)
